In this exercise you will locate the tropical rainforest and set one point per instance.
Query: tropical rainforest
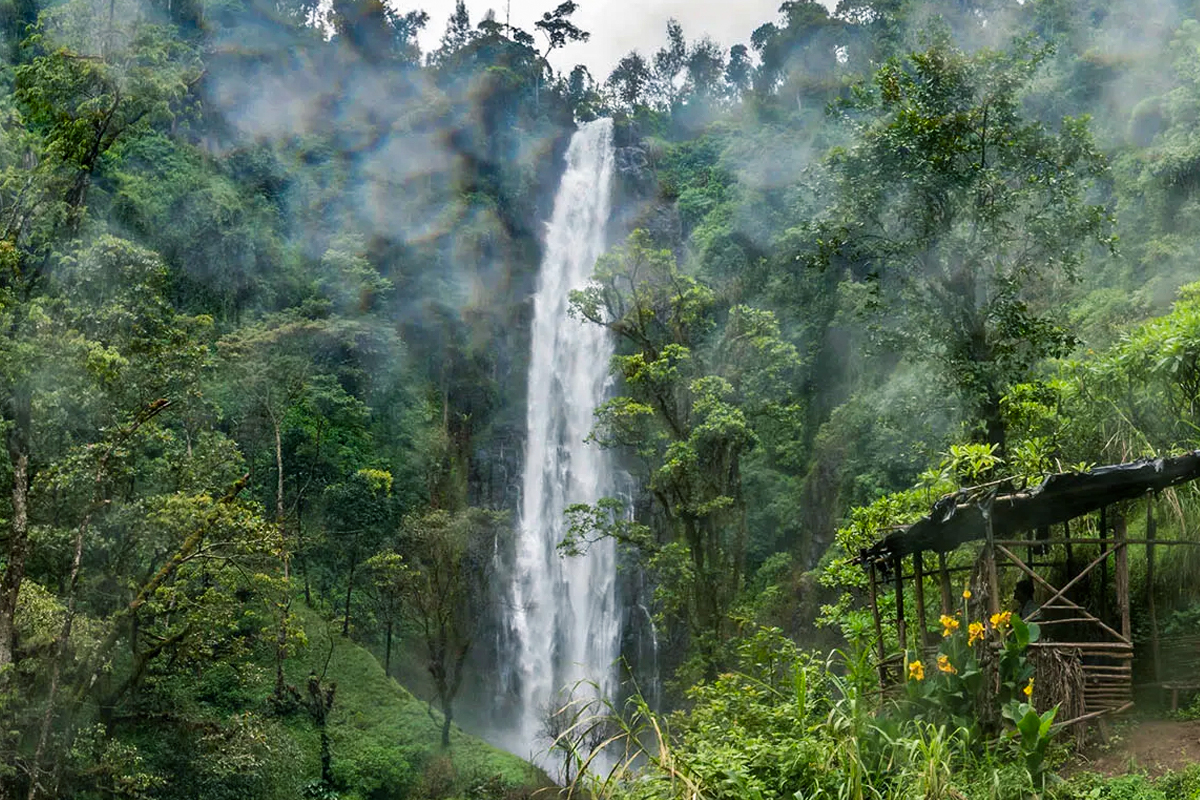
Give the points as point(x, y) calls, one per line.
point(265, 280)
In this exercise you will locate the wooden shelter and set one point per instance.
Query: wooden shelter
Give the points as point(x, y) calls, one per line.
point(1061, 539)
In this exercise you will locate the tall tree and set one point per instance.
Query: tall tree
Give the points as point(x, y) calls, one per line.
point(701, 380)
point(377, 32)
point(668, 65)
point(120, 364)
point(80, 94)
point(358, 513)
point(450, 560)
point(797, 54)
point(739, 69)
point(964, 218)
point(705, 69)
point(390, 579)
point(458, 32)
point(559, 30)
point(630, 78)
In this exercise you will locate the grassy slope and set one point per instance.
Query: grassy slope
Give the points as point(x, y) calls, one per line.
point(383, 738)
point(220, 739)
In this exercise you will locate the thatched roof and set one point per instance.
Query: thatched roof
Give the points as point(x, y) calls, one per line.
point(960, 517)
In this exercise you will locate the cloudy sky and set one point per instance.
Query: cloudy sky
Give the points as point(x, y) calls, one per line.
point(617, 26)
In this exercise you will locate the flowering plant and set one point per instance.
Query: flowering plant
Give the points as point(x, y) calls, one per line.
point(953, 693)
point(949, 694)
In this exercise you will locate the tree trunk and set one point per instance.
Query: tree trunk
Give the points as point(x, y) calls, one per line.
point(60, 646)
point(447, 719)
point(349, 589)
point(320, 703)
point(704, 594)
point(285, 605)
point(387, 657)
point(994, 422)
point(455, 683)
point(18, 543)
point(278, 474)
point(326, 758)
point(300, 551)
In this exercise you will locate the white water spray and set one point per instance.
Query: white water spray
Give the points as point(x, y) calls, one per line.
point(565, 625)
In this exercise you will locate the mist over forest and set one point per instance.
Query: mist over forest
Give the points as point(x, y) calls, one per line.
point(396, 422)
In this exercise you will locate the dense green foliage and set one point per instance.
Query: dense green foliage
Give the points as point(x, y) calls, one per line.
point(264, 271)
point(240, 350)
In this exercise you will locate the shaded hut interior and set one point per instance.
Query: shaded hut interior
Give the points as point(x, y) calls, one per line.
point(1057, 554)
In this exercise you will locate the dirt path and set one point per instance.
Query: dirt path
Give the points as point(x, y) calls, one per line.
point(1152, 746)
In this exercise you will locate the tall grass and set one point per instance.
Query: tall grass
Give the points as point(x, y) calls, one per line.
point(789, 728)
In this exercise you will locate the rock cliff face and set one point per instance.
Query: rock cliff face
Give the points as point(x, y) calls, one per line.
point(634, 167)
point(639, 201)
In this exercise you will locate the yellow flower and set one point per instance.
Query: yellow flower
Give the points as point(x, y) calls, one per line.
point(949, 625)
point(966, 594)
point(1028, 690)
point(1001, 620)
point(975, 632)
point(945, 666)
point(916, 671)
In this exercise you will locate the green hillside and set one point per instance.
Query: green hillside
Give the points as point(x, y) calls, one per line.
point(223, 737)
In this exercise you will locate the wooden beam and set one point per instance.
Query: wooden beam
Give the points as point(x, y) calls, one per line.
point(1103, 565)
point(874, 596)
point(989, 559)
point(901, 631)
point(1118, 649)
point(919, 589)
point(1122, 575)
point(1061, 593)
point(1151, 534)
point(908, 576)
point(1093, 715)
point(1070, 604)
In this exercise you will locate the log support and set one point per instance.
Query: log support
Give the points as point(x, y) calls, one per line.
point(1151, 535)
point(989, 562)
point(1121, 559)
point(919, 593)
point(1104, 565)
point(873, 582)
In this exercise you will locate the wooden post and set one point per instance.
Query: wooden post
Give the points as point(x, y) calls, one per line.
point(1103, 564)
point(1151, 534)
point(919, 590)
point(944, 583)
point(989, 557)
point(901, 631)
point(875, 615)
point(1121, 557)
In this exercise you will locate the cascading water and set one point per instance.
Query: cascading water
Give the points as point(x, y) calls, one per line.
point(565, 626)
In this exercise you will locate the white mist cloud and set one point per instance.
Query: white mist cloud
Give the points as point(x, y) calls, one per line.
point(617, 26)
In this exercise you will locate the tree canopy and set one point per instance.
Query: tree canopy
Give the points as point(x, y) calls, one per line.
point(265, 272)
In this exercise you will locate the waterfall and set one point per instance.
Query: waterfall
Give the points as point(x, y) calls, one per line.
point(565, 626)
